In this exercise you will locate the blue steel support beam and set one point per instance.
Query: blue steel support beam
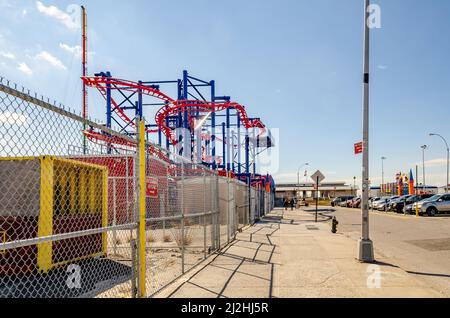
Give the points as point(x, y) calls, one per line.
point(108, 110)
point(247, 153)
point(139, 110)
point(108, 106)
point(179, 123)
point(239, 145)
point(224, 147)
point(213, 127)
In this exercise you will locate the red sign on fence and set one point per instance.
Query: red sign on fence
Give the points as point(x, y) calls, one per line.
point(359, 147)
point(151, 189)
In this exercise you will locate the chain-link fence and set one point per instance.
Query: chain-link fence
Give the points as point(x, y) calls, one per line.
point(88, 212)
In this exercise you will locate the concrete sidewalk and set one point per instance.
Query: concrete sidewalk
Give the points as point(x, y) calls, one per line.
point(287, 255)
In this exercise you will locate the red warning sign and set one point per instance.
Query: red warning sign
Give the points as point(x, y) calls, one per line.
point(151, 190)
point(359, 147)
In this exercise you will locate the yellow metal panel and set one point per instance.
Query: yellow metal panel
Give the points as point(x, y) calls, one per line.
point(73, 192)
point(142, 223)
point(45, 227)
point(105, 209)
point(3, 238)
point(92, 191)
point(81, 164)
point(63, 193)
point(82, 190)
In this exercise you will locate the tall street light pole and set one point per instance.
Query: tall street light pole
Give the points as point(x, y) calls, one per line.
point(448, 158)
point(298, 178)
point(382, 173)
point(365, 245)
point(424, 147)
point(298, 173)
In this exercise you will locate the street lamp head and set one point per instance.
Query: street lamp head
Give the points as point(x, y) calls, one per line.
point(431, 135)
point(424, 147)
point(383, 158)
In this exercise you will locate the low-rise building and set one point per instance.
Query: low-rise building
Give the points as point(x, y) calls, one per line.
point(308, 191)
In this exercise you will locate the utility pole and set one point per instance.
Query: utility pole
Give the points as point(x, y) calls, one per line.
point(448, 159)
point(424, 147)
point(365, 245)
point(298, 179)
point(417, 179)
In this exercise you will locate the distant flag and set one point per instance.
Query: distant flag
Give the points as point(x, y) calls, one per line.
point(411, 183)
point(400, 184)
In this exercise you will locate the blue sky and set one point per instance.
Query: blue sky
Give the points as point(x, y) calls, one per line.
point(297, 64)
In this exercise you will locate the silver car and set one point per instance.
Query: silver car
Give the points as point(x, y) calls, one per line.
point(438, 204)
point(376, 205)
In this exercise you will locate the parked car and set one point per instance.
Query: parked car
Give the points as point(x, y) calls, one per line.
point(438, 204)
point(380, 205)
point(345, 201)
point(372, 201)
point(412, 202)
point(385, 204)
point(337, 201)
point(398, 204)
point(356, 203)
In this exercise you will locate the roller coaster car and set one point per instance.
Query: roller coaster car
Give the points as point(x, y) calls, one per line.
point(46, 196)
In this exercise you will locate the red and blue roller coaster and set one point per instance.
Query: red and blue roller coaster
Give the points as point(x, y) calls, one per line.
point(190, 112)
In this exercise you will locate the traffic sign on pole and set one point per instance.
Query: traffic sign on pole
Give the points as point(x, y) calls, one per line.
point(318, 176)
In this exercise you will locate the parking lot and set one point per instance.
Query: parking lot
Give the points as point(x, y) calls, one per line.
point(419, 245)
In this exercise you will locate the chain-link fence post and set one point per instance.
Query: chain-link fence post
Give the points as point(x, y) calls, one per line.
point(216, 219)
point(182, 218)
point(140, 153)
point(205, 213)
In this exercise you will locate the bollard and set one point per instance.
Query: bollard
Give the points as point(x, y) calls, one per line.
point(334, 225)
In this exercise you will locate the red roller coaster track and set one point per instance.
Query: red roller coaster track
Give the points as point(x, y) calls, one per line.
point(102, 84)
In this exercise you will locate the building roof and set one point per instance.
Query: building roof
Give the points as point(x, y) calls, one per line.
point(311, 184)
point(325, 186)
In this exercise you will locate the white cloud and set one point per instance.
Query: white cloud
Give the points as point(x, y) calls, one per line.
point(435, 162)
point(75, 50)
point(13, 118)
point(55, 62)
point(382, 67)
point(24, 68)
point(24, 12)
point(8, 55)
point(54, 12)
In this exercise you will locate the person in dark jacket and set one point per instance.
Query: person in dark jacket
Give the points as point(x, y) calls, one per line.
point(285, 203)
point(292, 203)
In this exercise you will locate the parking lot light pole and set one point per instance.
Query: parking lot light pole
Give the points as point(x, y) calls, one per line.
point(365, 245)
point(382, 174)
point(298, 173)
point(424, 147)
point(448, 159)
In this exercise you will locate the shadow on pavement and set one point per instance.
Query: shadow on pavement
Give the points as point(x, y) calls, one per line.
point(229, 260)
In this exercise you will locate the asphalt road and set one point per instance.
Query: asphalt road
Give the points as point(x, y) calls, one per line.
point(420, 246)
